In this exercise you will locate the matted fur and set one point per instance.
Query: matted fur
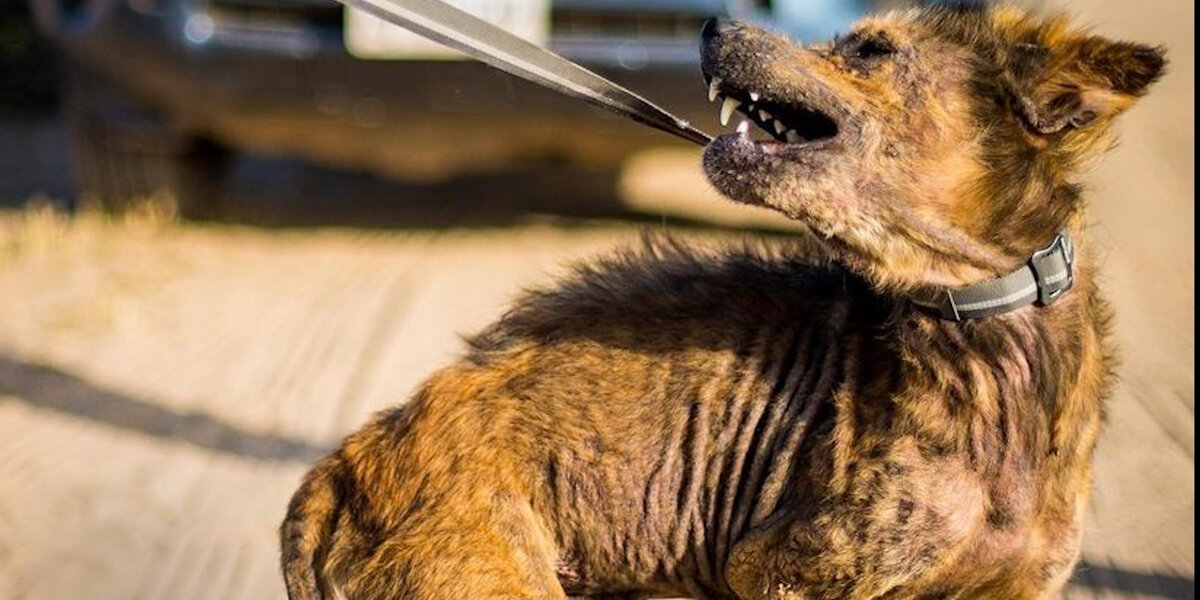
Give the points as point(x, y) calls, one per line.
point(774, 422)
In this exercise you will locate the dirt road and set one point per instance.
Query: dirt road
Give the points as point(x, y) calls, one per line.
point(163, 387)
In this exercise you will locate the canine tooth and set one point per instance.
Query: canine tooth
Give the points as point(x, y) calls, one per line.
point(765, 116)
point(743, 127)
point(714, 87)
point(780, 127)
point(754, 96)
point(727, 109)
point(794, 137)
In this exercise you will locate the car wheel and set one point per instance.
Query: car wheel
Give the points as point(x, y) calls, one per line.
point(124, 154)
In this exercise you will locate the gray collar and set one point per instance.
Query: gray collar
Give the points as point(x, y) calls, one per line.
point(1046, 276)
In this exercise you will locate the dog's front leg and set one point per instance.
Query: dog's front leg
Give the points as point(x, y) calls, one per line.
point(797, 559)
point(754, 571)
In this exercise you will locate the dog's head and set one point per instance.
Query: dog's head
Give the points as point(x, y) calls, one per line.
point(933, 147)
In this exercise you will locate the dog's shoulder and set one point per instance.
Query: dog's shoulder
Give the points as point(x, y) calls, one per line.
point(668, 286)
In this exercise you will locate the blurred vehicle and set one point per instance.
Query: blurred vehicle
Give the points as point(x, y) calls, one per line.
point(161, 93)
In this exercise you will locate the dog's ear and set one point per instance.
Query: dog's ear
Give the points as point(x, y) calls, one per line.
point(1071, 84)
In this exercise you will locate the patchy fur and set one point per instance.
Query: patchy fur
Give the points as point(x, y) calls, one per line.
point(774, 423)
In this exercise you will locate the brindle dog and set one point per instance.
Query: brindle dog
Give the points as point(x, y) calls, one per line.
point(761, 424)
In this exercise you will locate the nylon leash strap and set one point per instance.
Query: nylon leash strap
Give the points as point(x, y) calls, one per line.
point(490, 44)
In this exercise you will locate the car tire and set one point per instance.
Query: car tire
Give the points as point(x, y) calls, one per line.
point(124, 155)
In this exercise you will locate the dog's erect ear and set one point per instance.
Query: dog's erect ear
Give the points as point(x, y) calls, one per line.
point(1072, 85)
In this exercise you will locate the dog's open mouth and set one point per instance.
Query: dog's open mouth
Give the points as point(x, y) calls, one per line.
point(789, 122)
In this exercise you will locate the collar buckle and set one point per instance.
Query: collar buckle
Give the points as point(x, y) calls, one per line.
point(1053, 269)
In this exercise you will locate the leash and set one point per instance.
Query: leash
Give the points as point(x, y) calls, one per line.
point(1047, 275)
point(465, 32)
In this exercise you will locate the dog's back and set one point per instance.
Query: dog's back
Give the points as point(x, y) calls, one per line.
point(646, 411)
point(643, 427)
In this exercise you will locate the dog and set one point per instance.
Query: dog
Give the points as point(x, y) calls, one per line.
point(910, 412)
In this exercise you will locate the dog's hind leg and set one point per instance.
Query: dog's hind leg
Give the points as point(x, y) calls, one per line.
point(499, 553)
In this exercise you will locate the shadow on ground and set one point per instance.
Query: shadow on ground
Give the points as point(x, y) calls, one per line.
point(1100, 578)
point(51, 389)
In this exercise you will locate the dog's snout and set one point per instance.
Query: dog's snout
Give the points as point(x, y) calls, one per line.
point(717, 26)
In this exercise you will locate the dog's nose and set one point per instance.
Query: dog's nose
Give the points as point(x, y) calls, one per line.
point(717, 26)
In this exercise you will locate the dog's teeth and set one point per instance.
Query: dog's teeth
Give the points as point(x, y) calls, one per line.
point(754, 96)
point(727, 109)
point(764, 116)
point(794, 137)
point(714, 87)
point(780, 127)
point(743, 128)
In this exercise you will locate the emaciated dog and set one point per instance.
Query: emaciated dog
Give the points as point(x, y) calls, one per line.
point(911, 414)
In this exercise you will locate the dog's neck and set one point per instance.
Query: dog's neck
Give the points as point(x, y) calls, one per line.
point(1035, 356)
